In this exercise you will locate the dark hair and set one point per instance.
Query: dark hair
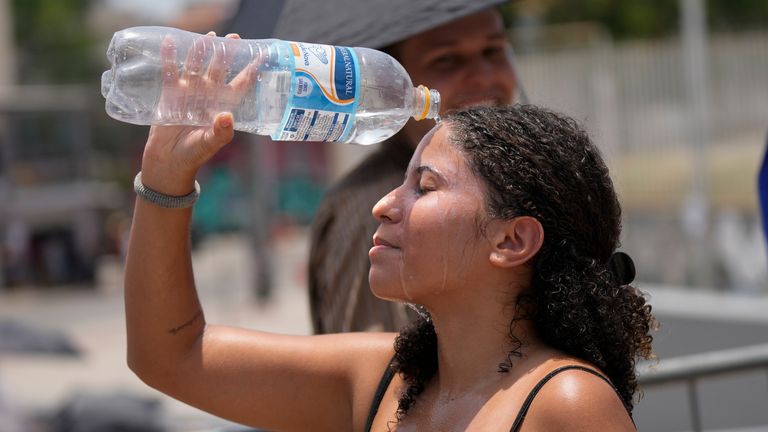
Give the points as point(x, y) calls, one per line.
point(541, 164)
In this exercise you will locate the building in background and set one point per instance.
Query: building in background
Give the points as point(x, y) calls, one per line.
point(682, 144)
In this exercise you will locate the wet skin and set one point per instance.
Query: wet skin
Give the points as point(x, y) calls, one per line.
point(428, 241)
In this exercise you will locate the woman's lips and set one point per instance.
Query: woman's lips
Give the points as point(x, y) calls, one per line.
point(380, 245)
point(378, 241)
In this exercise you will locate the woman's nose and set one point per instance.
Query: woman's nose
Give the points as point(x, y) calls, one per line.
point(387, 209)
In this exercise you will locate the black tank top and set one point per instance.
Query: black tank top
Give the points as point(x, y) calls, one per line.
point(390, 373)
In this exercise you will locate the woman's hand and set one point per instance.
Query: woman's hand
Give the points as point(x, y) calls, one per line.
point(173, 154)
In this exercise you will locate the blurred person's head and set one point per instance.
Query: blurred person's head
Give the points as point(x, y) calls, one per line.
point(466, 60)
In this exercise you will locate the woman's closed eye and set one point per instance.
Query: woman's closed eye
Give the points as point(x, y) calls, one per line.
point(427, 180)
point(424, 188)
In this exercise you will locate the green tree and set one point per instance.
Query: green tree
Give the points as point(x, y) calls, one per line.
point(54, 45)
point(735, 15)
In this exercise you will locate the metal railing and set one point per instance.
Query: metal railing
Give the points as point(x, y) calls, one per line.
point(691, 368)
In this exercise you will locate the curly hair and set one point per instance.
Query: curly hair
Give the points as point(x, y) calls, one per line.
point(541, 164)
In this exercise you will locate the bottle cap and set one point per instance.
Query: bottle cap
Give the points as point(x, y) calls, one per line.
point(431, 101)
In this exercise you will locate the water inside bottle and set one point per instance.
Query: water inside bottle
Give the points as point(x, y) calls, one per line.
point(138, 90)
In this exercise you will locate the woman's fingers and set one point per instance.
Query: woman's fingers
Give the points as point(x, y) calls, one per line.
point(170, 80)
point(219, 134)
point(168, 55)
point(223, 52)
point(217, 69)
point(223, 127)
point(245, 79)
point(193, 66)
point(248, 75)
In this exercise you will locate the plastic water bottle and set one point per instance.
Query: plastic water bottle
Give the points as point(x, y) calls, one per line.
point(288, 90)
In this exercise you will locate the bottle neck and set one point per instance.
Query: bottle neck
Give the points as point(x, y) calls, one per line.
point(426, 103)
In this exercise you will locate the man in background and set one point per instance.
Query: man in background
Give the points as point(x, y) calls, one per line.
point(468, 60)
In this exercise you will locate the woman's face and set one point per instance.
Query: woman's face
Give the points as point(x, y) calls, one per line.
point(428, 241)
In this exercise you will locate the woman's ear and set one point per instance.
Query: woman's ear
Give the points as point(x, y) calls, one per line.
point(516, 241)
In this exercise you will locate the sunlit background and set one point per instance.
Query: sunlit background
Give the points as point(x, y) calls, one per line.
point(675, 93)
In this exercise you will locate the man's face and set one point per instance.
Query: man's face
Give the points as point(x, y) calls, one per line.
point(465, 60)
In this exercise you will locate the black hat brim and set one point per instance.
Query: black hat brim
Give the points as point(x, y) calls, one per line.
point(368, 23)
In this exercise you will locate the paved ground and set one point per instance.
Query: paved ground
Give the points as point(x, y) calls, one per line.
point(691, 322)
point(95, 321)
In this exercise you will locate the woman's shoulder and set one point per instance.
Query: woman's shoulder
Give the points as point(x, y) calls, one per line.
point(572, 394)
point(376, 353)
point(373, 353)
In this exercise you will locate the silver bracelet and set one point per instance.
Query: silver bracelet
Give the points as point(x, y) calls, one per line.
point(163, 200)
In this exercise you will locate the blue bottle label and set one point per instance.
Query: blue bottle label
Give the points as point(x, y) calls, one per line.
point(325, 93)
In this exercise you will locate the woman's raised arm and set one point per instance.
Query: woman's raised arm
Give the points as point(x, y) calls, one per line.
point(271, 381)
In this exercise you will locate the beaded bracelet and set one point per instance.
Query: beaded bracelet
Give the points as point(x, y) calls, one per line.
point(163, 200)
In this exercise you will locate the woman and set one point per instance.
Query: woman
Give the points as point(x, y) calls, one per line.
point(502, 230)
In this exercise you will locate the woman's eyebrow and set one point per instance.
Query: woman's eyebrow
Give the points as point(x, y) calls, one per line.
point(420, 169)
point(435, 172)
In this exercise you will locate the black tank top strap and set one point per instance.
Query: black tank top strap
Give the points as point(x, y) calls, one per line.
point(529, 400)
point(389, 373)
